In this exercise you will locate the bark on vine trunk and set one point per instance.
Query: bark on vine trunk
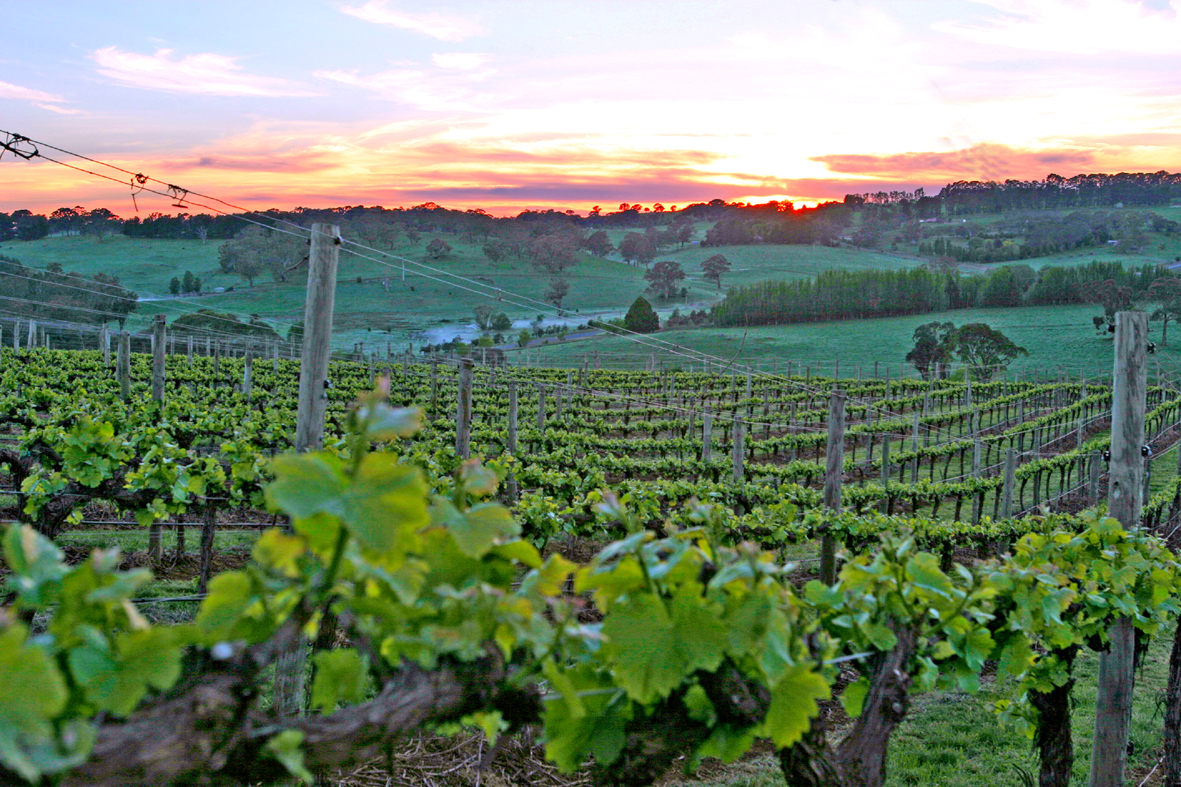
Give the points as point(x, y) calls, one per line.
point(1172, 733)
point(1054, 744)
point(860, 759)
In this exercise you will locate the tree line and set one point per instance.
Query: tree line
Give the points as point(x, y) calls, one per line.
point(844, 295)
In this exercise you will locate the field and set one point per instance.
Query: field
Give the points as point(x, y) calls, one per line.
point(1056, 337)
point(691, 486)
point(94, 466)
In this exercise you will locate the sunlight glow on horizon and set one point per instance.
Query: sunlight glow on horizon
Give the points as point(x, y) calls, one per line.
point(555, 106)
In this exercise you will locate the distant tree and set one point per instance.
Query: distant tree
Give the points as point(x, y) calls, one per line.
point(31, 226)
point(554, 254)
point(255, 251)
point(186, 285)
point(685, 233)
point(985, 349)
point(934, 344)
point(1111, 296)
point(559, 288)
point(599, 244)
point(641, 317)
point(714, 267)
point(635, 248)
point(523, 338)
point(438, 248)
point(99, 222)
point(174, 286)
point(501, 323)
point(665, 276)
point(1168, 290)
point(484, 314)
point(196, 284)
point(497, 249)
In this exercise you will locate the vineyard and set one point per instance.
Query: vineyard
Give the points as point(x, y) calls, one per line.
point(424, 562)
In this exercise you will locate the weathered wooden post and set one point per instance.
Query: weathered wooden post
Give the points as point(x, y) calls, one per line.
point(738, 449)
point(511, 442)
point(541, 408)
point(1010, 481)
point(1125, 487)
point(834, 471)
point(104, 344)
point(317, 336)
point(885, 471)
point(914, 446)
point(463, 411)
point(707, 427)
point(123, 366)
point(434, 408)
point(247, 369)
point(158, 348)
point(1093, 476)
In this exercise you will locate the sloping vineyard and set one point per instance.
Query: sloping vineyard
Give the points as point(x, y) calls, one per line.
point(425, 587)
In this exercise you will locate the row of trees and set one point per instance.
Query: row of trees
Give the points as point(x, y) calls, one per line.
point(840, 294)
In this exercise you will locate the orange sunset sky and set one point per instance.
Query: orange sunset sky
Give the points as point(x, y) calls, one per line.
point(510, 105)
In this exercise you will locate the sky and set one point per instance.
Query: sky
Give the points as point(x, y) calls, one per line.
point(509, 105)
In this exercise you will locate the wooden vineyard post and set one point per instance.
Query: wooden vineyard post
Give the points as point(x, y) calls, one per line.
point(541, 408)
point(1010, 480)
point(463, 411)
point(434, 408)
point(1093, 476)
point(247, 368)
point(707, 426)
point(885, 471)
point(914, 446)
point(123, 365)
point(317, 336)
point(208, 530)
point(274, 357)
point(511, 442)
point(1113, 707)
point(104, 344)
point(189, 351)
point(834, 471)
point(738, 449)
point(155, 543)
point(977, 500)
point(158, 348)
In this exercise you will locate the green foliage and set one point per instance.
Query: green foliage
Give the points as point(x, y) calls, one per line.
point(641, 318)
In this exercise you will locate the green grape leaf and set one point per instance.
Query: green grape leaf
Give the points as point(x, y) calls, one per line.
point(653, 648)
point(279, 551)
point(853, 697)
point(117, 683)
point(727, 743)
point(341, 676)
point(382, 503)
point(793, 704)
point(383, 423)
point(592, 727)
point(284, 747)
point(478, 528)
point(32, 693)
point(35, 562)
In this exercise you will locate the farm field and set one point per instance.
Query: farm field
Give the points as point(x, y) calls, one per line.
point(87, 470)
point(1054, 335)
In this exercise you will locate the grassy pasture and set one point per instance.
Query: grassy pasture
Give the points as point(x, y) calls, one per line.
point(1054, 335)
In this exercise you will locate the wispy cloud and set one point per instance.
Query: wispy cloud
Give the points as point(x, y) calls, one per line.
point(445, 27)
point(984, 161)
point(1075, 26)
point(449, 89)
point(208, 74)
point(38, 97)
